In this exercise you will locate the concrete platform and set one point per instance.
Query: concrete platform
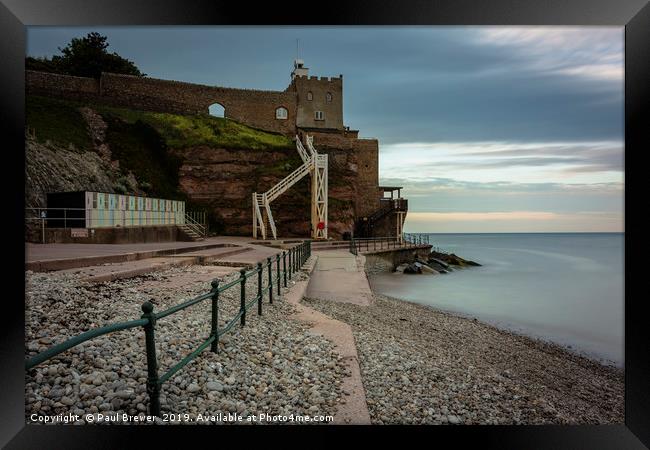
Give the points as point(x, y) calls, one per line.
point(46, 257)
point(106, 262)
point(340, 276)
point(129, 269)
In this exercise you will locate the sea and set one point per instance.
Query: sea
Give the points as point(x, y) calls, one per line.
point(566, 288)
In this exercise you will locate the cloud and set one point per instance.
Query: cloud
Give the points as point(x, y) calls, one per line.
point(450, 195)
point(495, 161)
point(594, 54)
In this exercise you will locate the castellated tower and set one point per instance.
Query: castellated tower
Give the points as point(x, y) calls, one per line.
point(319, 101)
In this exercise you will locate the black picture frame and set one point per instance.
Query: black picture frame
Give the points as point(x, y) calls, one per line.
point(15, 15)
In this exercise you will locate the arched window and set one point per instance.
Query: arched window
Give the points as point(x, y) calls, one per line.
point(281, 113)
point(217, 110)
point(329, 97)
point(310, 96)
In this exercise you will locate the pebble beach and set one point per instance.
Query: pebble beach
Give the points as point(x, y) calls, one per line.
point(418, 365)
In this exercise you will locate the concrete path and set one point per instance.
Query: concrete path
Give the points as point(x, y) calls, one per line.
point(47, 252)
point(354, 409)
point(340, 276)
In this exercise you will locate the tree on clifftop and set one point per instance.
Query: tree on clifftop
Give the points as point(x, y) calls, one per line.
point(85, 57)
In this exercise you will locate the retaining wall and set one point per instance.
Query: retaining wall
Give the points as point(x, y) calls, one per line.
point(388, 260)
point(119, 235)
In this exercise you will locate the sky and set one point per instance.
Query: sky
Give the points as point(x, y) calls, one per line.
point(489, 129)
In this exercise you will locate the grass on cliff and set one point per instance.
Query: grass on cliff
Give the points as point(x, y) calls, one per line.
point(57, 121)
point(181, 131)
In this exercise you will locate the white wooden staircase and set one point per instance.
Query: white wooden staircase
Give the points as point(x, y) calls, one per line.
point(313, 164)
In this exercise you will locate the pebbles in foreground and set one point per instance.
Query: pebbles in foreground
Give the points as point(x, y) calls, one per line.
point(422, 366)
point(272, 365)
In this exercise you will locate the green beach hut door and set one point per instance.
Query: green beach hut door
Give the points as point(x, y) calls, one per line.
point(101, 206)
point(140, 211)
point(111, 209)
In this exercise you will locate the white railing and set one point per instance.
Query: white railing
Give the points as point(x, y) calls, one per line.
point(310, 145)
point(195, 226)
point(301, 150)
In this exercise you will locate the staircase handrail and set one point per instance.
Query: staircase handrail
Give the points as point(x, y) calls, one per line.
point(197, 227)
point(301, 150)
point(310, 145)
point(289, 180)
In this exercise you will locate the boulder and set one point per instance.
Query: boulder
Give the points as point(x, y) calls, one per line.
point(438, 262)
point(401, 268)
point(412, 268)
point(439, 268)
point(426, 269)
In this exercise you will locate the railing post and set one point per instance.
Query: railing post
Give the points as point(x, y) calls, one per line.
point(215, 316)
point(259, 288)
point(284, 266)
point(277, 269)
point(242, 303)
point(269, 265)
point(290, 265)
point(153, 386)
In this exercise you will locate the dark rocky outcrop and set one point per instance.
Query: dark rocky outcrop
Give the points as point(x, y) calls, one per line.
point(450, 259)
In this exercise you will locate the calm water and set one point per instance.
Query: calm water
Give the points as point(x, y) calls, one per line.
point(565, 288)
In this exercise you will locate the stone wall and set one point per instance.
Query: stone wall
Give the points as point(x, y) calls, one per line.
point(388, 260)
point(51, 84)
point(253, 107)
point(118, 235)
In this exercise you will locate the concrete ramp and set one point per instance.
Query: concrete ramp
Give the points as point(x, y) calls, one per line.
point(340, 276)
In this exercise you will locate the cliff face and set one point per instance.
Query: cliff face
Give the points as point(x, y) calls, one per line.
point(212, 164)
point(224, 179)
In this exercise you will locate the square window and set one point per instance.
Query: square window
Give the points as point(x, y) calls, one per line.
point(319, 115)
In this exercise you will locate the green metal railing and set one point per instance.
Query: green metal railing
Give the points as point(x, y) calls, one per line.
point(296, 255)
